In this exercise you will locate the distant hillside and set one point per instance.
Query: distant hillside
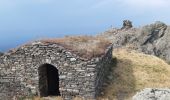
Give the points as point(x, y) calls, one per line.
point(135, 71)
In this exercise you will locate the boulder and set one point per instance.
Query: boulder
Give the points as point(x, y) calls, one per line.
point(152, 32)
point(155, 39)
point(153, 94)
point(127, 24)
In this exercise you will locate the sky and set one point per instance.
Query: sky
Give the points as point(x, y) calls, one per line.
point(28, 20)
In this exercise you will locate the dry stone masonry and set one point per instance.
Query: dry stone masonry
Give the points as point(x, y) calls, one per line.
point(48, 69)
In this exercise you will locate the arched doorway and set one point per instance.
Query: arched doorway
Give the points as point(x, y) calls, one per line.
point(48, 80)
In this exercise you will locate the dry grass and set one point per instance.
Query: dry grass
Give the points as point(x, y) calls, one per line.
point(135, 71)
point(84, 46)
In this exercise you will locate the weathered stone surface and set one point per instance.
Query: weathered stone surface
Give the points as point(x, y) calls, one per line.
point(1, 53)
point(155, 39)
point(19, 71)
point(151, 33)
point(127, 24)
point(72, 59)
point(153, 94)
point(151, 39)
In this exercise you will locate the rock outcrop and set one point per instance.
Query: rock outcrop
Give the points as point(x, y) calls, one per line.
point(151, 39)
point(152, 32)
point(153, 94)
point(154, 39)
point(1, 53)
point(127, 24)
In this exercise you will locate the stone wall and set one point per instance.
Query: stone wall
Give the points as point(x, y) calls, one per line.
point(103, 70)
point(19, 75)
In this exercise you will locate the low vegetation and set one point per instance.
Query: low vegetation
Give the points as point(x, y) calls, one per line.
point(135, 71)
point(84, 46)
point(90, 46)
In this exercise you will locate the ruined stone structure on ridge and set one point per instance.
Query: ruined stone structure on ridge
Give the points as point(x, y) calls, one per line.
point(48, 69)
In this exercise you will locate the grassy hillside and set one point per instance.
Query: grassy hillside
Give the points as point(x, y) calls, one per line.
point(135, 71)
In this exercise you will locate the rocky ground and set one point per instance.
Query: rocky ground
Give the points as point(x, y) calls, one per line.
point(136, 71)
point(151, 39)
point(153, 94)
point(133, 72)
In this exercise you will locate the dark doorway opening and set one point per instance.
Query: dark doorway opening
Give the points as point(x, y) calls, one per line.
point(48, 80)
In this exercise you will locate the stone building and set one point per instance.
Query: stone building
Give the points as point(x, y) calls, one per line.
point(49, 69)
